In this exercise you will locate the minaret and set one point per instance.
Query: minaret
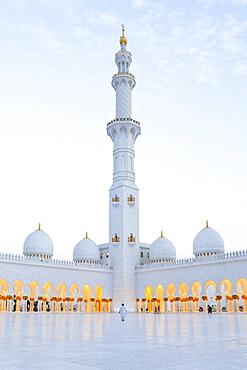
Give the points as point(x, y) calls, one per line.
point(124, 199)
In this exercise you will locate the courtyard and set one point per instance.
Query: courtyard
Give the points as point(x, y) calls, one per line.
point(97, 341)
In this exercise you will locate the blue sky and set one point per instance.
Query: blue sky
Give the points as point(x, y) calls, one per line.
point(190, 64)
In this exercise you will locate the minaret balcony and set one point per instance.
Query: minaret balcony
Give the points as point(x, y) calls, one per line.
point(131, 240)
point(115, 201)
point(115, 240)
point(123, 73)
point(123, 119)
point(131, 200)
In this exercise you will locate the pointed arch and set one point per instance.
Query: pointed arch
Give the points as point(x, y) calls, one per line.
point(61, 290)
point(86, 291)
point(17, 288)
point(226, 290)
point(98, 291)
point(149, 297)
point(34, 289)
point(74, 291)
point(171, 291)
point(48, 290)
point(3, 287)
point(160, 297)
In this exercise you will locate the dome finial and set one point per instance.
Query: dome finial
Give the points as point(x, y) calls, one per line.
point(161, 234)
point(87, 235)
point(39, 229)
point(206, 224)
point(123, 39)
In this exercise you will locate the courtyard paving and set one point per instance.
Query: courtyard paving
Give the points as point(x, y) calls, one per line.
point(143, 341)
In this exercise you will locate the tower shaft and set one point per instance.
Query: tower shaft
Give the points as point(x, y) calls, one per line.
point(124, 197)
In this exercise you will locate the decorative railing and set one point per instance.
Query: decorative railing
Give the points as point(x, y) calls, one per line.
point(123, 119)
point(123, 73)
point(123, 51)
point(24, 259)
point(116, 239)
point(131, 199)
point(193, 260)
point(115, 199)
point(131, 239)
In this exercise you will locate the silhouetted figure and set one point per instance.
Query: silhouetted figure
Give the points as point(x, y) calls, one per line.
point(210, 309)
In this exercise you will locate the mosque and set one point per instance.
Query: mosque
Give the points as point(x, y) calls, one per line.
point(143, 276)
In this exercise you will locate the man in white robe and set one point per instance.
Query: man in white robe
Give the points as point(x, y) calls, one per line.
point(122, 312)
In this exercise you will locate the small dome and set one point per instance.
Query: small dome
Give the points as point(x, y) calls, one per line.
point(38, 243)
point(162, 249)
point(86, 250)
point(123, 40)
point(208, 241)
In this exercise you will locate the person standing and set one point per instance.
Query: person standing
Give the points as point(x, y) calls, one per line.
point(122, 311)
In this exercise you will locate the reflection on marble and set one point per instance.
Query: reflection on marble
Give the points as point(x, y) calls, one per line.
point(143, 341)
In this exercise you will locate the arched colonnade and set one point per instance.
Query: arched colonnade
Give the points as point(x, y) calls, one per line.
point(49, 298)
point(226, 296)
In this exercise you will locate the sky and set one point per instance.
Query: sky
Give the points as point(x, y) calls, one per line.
point(56, 65)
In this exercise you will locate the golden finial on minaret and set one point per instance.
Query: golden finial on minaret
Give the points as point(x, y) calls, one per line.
point(206, 224)
point(123, 39)
point(87, 235)
point(161, 234)
point(39, 229)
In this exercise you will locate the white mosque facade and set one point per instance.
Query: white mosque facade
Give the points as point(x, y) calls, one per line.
point(124, 270)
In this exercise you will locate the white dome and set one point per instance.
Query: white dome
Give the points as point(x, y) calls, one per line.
point(208, 241)
point(38, 243)
point(162, 249)
point(86, 250)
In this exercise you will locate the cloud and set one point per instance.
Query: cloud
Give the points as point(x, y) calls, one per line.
point(240, 70)
point(238, 2)
point(208, 3)
point(232, 35)
point(140, 3)
point(18, 4)
point(100, 18)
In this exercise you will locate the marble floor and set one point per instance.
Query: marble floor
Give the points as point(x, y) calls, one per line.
point(143, 341)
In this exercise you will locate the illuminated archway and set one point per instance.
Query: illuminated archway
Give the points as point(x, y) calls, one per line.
point(3, 287)
point(86, 291)
point(160, 297)
point(34, 289)
point(48, 290)
point(98, 291)
point(61, 300)
point(3, 293)
point(196, 289)
point(61, 290)
point(48, 304)
point(17, 287)
point(226, 290)
point(171, 291)
point(183, 292)
point(149, 298)
point(210, 288)
point(241, 288)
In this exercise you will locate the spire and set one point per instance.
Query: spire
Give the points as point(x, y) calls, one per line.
point(123, 41)
point(87, 235)
point(207, 227)
point(39, 229)
point(161, 234)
